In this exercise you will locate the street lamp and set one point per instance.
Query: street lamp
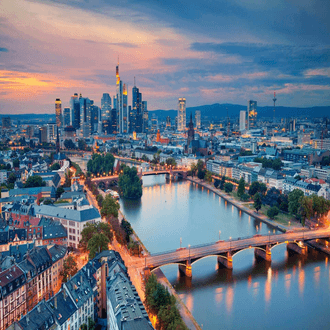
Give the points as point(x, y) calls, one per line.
point(219, 234)
point(230, 243)
point(180, 242)
point(189, 250)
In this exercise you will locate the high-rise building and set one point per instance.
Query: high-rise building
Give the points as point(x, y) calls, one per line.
point(191, 132)
point(58, 112)
point(168, 122)
point(242, 117)
point(181, 115)
point(121, 105)
point(154, 123)
point(114, 126)
point(252, 114)
point(95, 118)
point(51, 132)
point(75, 111)
point(66, 117)
point(198, 119)
point(43, 134)
point(106, 106)
point(136, 120)
point(85, 116)
point(145, 117)
point(6, 122)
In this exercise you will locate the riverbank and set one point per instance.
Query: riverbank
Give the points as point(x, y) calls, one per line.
point(243, 208)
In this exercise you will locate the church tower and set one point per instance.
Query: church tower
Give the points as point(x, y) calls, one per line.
point(191, 132)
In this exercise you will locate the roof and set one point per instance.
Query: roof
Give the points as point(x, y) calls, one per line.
point(62, 306)
point(40, 317)
point(74, 215)
point(57, 252)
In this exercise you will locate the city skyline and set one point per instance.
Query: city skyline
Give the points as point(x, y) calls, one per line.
point(208, 53)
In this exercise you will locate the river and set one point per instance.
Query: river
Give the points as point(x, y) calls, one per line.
point(292, 291)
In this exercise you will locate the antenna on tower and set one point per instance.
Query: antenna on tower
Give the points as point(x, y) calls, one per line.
point(134, 82)
point(274, 99)
point(228, 123)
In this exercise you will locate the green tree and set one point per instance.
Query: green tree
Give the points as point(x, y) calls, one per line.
point(222, 183)
point(127, 229)
point(97, 244)
point(55, 167)
point(69, 144)
point(92, 229)
point(130, 185)
point(48, 202)
point(254, 188)
point(34, 181)
point(272, 212)
point(294, 197)
point(257, 202)
point(171, 161)
point(208, 177)
point(110, 207)
point(70, 268)
point(305, 208)
point(11, 178)
point(101, 164)
point(241, 187)
point(59, 191)
point(100, 200)
point(16, 162)
point(228, 187)
point(82, 145)
point(193, 169)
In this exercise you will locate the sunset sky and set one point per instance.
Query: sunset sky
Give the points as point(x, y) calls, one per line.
point(209, 51)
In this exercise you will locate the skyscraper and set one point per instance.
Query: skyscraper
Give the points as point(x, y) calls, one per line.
point(242, 117)
point(191, 132)
point(121, 104)
point(136, 119)
point(58, 112)
point(198, 119)
point(106, 106)
point(66, 117)
point(145, 117)
point(168, 122)
point(181, 114)
point(252, 114)
point(85, 116)
point(75, 111)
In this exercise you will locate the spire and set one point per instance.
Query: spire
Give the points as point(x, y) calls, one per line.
point(134, 82)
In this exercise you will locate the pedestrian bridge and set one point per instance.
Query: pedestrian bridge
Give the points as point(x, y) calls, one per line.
point(226, 250)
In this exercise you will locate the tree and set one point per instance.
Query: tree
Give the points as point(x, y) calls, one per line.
point(100, 164)
point(69, 144)
point(127, 229)
point(16, 162)
point(11, 178)
point(222, 183)
point(208, 177)
point(294, 197)
point(48, 202)
point(272, 212)
point(254, 188)
point(193, 169)
point(70, 268)
point(171, 161)
point(59, 191)
point(228, 187)
point(130, 185)
point(97, 244)
point(55, 167)
point(34, 181)
point(257, 202)
point(241, 187)
point(93, 229)
point(305, 209)
point(109, 207)
point(82, 145)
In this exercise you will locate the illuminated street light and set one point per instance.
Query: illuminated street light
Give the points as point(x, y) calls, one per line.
point(219, 234)
point(189, 250)
point(268, 236)
point(230, 243)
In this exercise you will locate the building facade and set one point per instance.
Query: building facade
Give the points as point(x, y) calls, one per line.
point(181, 115)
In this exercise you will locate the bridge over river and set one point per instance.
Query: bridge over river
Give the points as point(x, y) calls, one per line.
point(226, 250)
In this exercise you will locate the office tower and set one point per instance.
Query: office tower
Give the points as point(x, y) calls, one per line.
point(106, 106)
point(242, 117)
point(96, 116)
point(51, 132)
point(85, 116)
point(292, 125)
point(114, 126)
point(145, 116)
point(252, 114)
point(75, 111)
point(154, 123)
point(136, 119)
point(121, 105)
point(191, 132)
point(168, 122)
point(198, 119)
point(6, 122)
point(43, 134)
point(66, 117)
point(181, 115)
point(30, 131)
point(58, 112)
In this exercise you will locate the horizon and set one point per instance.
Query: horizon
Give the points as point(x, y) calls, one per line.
point(223, 52)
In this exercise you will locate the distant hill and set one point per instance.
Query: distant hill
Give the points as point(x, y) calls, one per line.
point(31, 117)
point(219, 111)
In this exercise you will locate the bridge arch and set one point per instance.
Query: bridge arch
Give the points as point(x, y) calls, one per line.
point(170, 263)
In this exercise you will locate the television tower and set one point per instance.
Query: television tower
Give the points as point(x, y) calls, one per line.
point(274, 99)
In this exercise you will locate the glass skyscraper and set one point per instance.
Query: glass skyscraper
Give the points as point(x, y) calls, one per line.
point(252, 114)
point(182, 114)
point(58, 112)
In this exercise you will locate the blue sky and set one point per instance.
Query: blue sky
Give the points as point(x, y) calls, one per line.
point(207, 51)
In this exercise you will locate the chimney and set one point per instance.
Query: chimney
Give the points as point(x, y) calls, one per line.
point(81, 279)
point(88, 273)
point(64, 294)
point(39, 308)
point(55, 302)
point(27, 319)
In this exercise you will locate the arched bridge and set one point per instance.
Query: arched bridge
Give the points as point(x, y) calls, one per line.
point(225, 250)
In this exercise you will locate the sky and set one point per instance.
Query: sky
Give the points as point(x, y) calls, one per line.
point(208, 51)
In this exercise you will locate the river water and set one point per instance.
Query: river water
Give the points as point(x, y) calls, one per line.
point(292, 291)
